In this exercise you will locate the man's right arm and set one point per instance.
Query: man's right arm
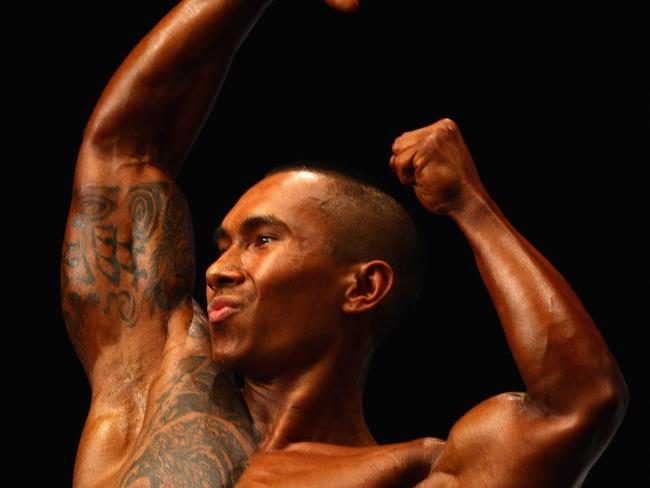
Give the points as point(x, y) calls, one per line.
point(119, 249)
point(127, 264)
point(157, 101)
point(128, 256)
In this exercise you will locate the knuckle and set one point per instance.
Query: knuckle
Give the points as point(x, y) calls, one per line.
point(445, 128)
point(435, 137)
point(398, 142)
point(448, 124)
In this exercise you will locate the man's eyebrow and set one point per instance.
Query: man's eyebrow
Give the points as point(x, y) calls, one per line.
point(254, 221)
point(250, 224)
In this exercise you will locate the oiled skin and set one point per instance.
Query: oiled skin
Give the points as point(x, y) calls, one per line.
point(163, 413)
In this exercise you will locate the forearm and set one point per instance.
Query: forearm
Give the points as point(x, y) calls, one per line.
point(157, 101)
point(560, 354)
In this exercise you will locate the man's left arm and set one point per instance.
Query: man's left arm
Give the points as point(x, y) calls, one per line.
point(575, 395)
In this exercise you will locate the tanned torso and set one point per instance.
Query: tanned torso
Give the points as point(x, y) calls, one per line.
point(162, 413)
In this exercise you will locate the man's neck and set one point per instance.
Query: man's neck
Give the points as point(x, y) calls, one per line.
point(322, 404)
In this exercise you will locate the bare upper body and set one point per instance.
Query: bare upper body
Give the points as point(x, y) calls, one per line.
point(164, 413)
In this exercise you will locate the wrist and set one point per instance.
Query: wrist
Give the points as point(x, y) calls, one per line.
point(471, 206)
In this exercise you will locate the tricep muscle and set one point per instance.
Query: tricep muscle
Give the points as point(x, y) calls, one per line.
point(127, 258)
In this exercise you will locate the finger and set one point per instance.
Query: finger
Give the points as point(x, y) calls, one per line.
point(403, 164)
point(403, 141)
point(405, 157)
point(408, 138)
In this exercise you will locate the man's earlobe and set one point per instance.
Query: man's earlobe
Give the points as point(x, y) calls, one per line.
point(371, 283)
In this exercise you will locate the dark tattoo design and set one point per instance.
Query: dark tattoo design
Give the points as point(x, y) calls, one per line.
point(132, 265)
point(144, 207)
point(195, 452)
point(104, 240)
point(199, 434)
point(96, 202)
point(157, 214)
point(106, 247)
point(173, 258)
point(125, 305)
point(125, 255)
point(77, 261)
point(198, 328)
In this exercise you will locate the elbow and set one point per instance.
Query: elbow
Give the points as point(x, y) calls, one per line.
point(105, 137)
point(615, 400)
point(608, 405)
point(100, 131)
point(97, 145)
point(592, 423)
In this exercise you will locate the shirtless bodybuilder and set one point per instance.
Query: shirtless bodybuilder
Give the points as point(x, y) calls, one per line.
point(314, 264)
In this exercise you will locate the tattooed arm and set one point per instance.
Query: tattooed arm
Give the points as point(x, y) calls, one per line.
point(128, 264)
point(126, 210)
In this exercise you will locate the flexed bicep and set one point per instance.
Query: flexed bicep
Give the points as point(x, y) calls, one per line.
point(508, 441)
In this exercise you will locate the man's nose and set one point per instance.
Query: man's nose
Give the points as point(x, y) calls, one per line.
point(220, 274)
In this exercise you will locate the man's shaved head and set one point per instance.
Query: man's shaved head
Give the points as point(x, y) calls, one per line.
point(365, 224)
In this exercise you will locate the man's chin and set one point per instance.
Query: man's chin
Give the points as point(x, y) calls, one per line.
point(242, 364)
point(228, 361)
point(230, 358)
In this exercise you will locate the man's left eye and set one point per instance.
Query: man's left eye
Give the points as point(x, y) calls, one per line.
point(264, 239)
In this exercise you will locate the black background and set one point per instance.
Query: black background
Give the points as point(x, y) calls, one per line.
point(552, 102)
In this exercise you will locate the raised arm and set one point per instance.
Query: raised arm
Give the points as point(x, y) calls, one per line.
point(128, 265)
point(128, 255)
point(155, 104)
point(575, 396)
point(162, 411)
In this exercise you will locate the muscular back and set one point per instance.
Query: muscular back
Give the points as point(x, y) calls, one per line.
point(162, 413)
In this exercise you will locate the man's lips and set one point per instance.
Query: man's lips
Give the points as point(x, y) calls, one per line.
point(221, 308)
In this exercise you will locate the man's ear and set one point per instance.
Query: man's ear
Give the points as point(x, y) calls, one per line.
point(370, 283)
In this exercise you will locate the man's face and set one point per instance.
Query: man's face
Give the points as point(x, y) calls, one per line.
point(275, 294)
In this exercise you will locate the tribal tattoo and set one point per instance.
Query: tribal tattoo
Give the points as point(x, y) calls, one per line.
point(200, 433)
point(128, 256)
point(133, 257)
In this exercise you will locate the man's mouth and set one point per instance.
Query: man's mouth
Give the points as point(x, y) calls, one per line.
point(221, 308)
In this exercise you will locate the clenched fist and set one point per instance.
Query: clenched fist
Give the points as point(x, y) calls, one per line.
point(437, 163)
